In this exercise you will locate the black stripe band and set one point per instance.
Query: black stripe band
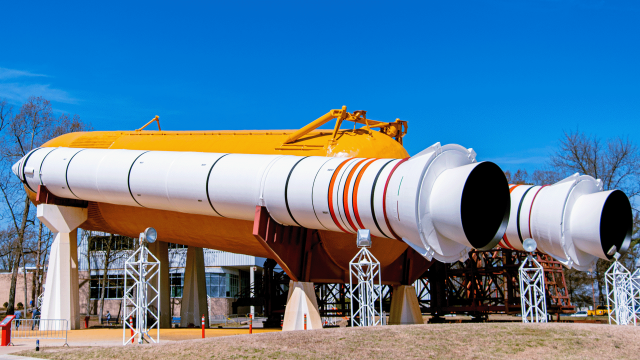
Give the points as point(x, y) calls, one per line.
point(24, 164)
point(66, 173)
point(313, 187)
point(207, 185)
point(129, 178)
point(373, 191)
point(518, 215)
point(41, 164)
point(286, 189)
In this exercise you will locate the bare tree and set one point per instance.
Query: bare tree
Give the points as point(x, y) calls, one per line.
point(108, 252)
point(20, 133)
point(617, 163)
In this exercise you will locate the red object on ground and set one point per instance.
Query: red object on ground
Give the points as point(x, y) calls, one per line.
point(131, 324)
point(6, 329)
point(86, 322)
point(203, 326)
point(250, 323)
point(305, 321)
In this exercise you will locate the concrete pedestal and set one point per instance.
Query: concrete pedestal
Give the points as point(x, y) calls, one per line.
point(301, 301)
point(61, 292)
point(194, 293)
point(160, 249)
point(405, 308)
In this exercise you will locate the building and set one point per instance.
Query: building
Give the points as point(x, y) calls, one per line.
point(228, 275)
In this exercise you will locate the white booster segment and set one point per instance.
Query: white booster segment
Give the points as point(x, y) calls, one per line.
point(572, 220)
point(441, 202)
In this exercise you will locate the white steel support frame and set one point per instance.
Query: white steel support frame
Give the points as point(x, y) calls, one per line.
point(635, 295)
point(619, 294)
point(533, 300)
point(365, 268)
point(141, 296)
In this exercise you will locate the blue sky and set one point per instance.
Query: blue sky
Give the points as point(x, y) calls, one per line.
point(505, 77)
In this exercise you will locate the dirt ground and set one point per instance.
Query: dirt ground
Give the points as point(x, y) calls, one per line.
point(467, 340)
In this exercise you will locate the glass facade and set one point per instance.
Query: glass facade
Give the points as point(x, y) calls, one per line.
point(114, 288)
point(115, 242)
point(176, 282)
point(222, 285)
point(177, 246)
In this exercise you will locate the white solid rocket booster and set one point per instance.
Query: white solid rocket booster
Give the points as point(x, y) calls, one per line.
point(572, 220)
point(441, 201)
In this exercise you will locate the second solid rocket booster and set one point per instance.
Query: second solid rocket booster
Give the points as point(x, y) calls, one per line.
point(573, 220)
point(441, 201)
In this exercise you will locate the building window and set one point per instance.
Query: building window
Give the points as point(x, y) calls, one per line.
point(176, 281)
point(115, 242)
point(177, 246)
point(114, 288)
point(222, 285)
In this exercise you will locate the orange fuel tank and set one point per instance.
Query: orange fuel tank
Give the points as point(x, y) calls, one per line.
point(334, 250)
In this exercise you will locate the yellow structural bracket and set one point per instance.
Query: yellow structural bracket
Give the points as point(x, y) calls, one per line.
point(156, 119)
point(395, 129)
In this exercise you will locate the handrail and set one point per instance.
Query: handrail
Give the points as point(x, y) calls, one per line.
point(156, 119)
point(395, 129)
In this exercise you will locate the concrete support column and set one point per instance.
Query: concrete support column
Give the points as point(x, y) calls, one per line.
point(405, 308)
point(160, 249)
point(61, 292)
point(194, 294)
point(301, 301)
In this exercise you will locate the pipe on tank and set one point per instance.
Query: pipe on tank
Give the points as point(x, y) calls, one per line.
point(441, 202)
point(572, 220)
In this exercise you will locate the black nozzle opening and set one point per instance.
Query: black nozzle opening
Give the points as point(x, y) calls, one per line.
point(485, 206)
point(616, 223)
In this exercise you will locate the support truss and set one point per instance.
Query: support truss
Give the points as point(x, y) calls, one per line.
point(533, 301)
point(141, 300)
point(366, 294)
point(619, 294)
point(635, 295)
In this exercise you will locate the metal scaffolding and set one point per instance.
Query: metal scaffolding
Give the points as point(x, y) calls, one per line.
point(635, 295)
point(141, 298)
point(366, 294)
point(532, 296)
point(619, 290)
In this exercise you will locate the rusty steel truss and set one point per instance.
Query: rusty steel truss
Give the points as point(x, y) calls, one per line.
point(487, 283)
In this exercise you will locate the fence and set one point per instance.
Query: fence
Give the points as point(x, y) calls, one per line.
point(41, 329)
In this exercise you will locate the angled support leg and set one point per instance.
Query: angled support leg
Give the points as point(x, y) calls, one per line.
point(194, 294)
point(61, 292)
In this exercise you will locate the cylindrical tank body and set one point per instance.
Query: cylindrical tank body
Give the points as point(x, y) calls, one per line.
point(336, 194)
point(572, 220)
point(223, 233)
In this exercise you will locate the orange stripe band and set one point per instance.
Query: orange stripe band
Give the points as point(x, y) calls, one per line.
point(504, 237)
point(355, 192)
point(345, 194)
point(333, 179)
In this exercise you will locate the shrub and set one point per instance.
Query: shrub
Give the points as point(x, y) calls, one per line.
point(6, 305)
